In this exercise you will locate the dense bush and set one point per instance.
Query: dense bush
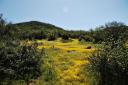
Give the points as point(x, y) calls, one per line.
point(7, 56)
point(19, 63)
point(111, 63)
point(28, 63)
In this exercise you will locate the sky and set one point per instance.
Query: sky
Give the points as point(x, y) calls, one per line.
point(68, 14)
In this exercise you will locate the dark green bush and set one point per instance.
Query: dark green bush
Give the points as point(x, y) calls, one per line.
point(65, 37)
point(111, 63)
point(28, 63)
point(19, 63)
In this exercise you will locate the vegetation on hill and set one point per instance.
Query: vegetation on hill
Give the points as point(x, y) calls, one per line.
point(43, 54)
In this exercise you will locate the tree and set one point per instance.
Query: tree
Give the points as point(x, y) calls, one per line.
point(115, 30)
point(2, 21)
point(65, 37)
point(52, 36)
point(112, 29)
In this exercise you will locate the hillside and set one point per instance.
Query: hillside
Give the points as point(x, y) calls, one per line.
point(37, 30)
point(37, 24)
point(41, 30)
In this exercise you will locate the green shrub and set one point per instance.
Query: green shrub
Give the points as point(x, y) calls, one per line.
point(28, 63)
point(65, 37)
point(52, 37)
point(86, 38)
point(19, 63)
point(111, 63)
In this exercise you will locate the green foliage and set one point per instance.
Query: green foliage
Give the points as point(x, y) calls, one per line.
point(91, 76)
point(41, 35)
point(7, 55)
point(77, 34)
point(52, 36)
point(19, 63)
point(37, 30)
point(113, 30)
point(111, 63)
point(65, 37)
point(86, 38)
point(99, 35)
point(49, 74)
point(29, 63)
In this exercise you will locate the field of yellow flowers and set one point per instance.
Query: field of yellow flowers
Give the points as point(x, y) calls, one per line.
point(63, 62)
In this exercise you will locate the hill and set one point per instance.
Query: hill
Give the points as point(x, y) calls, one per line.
point(37, 30)
point(41, 30)
point(37, 24)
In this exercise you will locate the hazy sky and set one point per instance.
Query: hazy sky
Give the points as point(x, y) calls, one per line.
point(68, 14)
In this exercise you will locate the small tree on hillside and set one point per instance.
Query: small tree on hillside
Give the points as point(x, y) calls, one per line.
point(51, 37)
point(65, 37)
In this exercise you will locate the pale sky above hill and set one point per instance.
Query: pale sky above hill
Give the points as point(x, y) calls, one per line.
point(68, 14)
